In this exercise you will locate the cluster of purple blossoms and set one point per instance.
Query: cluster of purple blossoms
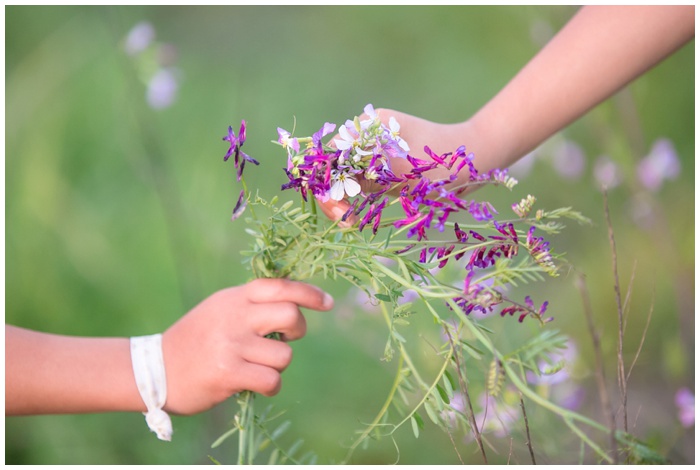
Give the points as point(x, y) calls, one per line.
point(361, 152)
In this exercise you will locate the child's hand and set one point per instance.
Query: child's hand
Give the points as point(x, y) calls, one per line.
point(219, 348)
point(417, 133)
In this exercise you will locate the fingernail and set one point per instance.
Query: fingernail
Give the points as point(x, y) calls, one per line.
point(327, 300)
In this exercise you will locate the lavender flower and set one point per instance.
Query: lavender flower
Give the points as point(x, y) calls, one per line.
point(498, 415)
point(606, 172)
point(139, 38)
point(685, 402)
point(162, 89)
point(569, 160)
point(660, 164)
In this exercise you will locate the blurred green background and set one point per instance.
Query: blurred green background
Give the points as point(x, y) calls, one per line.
point(117, 214)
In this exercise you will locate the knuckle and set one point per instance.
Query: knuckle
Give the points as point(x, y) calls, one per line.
point(285, 354)
point(270, 383)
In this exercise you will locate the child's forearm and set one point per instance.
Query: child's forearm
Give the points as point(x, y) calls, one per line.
point(50, 374)
point(599, 51)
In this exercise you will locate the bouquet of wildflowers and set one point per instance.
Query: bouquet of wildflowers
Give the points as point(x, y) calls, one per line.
point(390, 246)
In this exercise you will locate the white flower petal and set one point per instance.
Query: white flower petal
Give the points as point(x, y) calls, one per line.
point(394, 125)
point(342, 144)
point(345, 134)
point(337, 191)
point(352, 187)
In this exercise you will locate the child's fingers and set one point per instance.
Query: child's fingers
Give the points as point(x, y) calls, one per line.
point(260, 379)
point(269, 352)
point(262, 291)
point(279, 317)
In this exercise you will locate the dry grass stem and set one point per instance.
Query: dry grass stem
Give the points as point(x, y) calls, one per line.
point(527, 431)
point(621, 376)
point(465, 391)
point(599, 367)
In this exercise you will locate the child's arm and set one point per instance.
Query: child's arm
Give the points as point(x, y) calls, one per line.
point(600, 50)
point(216, 350)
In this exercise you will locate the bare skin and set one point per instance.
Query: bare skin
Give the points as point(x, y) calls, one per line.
point(599, 51)
point(214, 351)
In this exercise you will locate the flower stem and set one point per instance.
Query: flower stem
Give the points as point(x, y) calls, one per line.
point(246, 436)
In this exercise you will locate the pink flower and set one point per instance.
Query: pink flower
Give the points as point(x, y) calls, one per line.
point(685, 401)
point(661, 164)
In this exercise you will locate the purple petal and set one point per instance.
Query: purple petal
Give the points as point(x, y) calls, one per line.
point(240, 206)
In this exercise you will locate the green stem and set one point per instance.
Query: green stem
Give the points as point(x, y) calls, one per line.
point(246, 436)
point(382, 411)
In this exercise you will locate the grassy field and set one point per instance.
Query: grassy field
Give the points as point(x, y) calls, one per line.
point(117, 214)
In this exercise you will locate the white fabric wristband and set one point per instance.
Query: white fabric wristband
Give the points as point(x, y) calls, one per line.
point(149, 372)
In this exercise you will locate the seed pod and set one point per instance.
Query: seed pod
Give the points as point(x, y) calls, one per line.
point(496, 378)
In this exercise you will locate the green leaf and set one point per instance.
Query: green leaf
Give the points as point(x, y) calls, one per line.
point(281, 429)
point(383, 297)
point(430, 411)
point(415, 425)
point(443, 394)
point(396, 335)
point(224, 436)
point(274, 457)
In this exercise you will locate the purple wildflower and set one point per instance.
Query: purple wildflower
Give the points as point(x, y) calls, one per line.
point(477, 297)
point(235, 149)
point(326, 129)
point(685, 401)
point(236, 142)
point(481, 211)
point(285, 139)
point(240, 206)
point(539, 250)
point(524, 311)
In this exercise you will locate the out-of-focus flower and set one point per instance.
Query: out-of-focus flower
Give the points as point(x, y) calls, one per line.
point(498, 414)
point(569, 160)
point(660, 164)
point(685, 401)
point(162, 89)
point(641, 210)
point(523, 167)
point(556, 380)
point(606, 172)
point(139, 38)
